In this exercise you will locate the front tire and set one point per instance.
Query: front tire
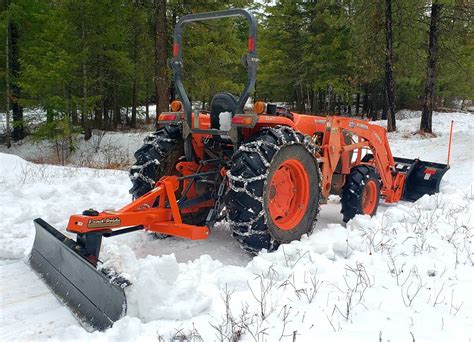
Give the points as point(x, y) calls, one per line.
point(274, 191)
point(360, 193)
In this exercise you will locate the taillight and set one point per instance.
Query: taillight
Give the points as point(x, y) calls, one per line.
point(244, 120)
point(251, 44)
point(175, 49)
point(167, 117)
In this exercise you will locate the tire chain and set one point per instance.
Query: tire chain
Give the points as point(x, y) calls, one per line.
point(254, 147)
point(137, 170)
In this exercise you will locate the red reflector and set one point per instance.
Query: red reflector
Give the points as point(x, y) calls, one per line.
point(251, 44)
point(167, 117)
point(430, 171)
point(175, 49)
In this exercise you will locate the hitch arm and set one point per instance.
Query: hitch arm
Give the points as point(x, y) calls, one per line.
point(141, 212)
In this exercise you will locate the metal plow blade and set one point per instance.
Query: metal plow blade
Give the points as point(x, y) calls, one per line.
point(423, 178)
point(92, 296)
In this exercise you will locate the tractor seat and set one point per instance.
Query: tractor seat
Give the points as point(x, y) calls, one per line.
point(222, 102)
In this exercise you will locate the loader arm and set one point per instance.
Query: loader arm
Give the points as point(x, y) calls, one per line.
point(371, 137)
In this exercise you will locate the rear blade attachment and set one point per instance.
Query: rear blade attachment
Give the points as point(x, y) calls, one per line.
point(94, 298)
point(423, 178)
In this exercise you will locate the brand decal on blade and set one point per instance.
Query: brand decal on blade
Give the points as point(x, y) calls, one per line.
point(104, 222)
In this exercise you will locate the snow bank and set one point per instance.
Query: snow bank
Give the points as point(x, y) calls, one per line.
point(29, 191)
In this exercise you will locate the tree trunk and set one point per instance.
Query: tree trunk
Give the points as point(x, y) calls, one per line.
point(117, 118)
point(105, 115)
point(426, 116)
point(85, 110)
point(300, 98)
point(147, 109)
point(312, 102)
point(385, 110)
point(161, 48)
point(68, 131)
point(365, 101)
point(322, 101)
point(357, 103)
point(7, 78)
point(389, 80)
point(133, 122)
point(98, 117)
point(349, 104)
point(72, 108)
point(17, 110)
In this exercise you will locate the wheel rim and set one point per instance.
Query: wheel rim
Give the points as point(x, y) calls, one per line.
point(369, 197)
point(288, 194)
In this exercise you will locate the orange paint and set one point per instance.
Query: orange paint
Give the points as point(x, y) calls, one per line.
point(288, 194)
point(450, 140)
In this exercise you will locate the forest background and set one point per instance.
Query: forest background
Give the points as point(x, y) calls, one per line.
point(101, 64)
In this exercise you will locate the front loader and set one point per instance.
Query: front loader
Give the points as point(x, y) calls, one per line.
point(265, 170)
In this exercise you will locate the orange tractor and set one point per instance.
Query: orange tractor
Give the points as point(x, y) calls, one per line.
point(266, 171)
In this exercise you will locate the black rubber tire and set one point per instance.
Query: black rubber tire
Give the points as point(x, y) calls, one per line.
point(247, 199)
point(157, 157)
point(351, 196)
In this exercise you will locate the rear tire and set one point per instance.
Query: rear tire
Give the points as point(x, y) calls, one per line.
point(262, 209)
point(158, 157)
point(360, 193)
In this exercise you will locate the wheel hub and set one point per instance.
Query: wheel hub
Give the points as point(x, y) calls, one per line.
point(288, 194)
point(369, 197)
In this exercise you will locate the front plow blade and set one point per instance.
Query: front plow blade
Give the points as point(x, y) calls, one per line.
point(91, 295)
point(423, 178)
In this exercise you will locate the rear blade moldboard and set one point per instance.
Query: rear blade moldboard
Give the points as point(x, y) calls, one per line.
point(423, 178)
point(90, 294)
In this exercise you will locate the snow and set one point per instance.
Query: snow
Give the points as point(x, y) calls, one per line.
point(404, 274)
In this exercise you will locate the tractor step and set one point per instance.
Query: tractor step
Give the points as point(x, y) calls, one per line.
point(94, 297)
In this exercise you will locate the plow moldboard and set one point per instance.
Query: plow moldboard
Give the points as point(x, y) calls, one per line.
point(90, 294)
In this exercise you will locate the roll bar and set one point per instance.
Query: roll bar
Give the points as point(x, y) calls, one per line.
point(177, 60)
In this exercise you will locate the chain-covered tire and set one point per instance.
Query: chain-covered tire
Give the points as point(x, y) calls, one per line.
point(274, 189)
point(360, 193)
point(157, 157)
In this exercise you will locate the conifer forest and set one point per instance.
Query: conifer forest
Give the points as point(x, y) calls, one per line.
point(101, 64)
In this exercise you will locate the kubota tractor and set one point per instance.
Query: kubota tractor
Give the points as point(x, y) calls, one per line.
point(266, 171)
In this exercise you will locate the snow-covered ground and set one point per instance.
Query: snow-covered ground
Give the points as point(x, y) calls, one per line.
point(405, 274)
